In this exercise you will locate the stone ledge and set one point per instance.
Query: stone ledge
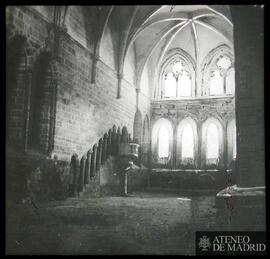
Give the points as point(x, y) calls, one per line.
point(242, 191)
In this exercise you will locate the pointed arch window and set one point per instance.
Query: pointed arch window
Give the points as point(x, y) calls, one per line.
point(221, 79)
point(163, 142)
point(177, 80)
point(216, 83)
point(184, 84)
point(170, 85)
point(230, 81)
point(187, 142)
point(212, 142)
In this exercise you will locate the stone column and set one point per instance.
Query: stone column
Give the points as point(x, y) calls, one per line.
point(82, 171)
point(53, 114)
point(199, 157)
point(104, 148)
point(99, 154)
point(93, 162)
point(174, 148)
point(119, 77)
point(225, 148)
point(140, 155)
point(249, 94)
point(75, 163)
point(88, 167)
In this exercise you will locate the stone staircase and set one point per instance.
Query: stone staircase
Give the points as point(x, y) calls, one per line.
point(88, 171)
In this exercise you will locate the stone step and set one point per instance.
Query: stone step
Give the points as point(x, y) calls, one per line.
point(181, 190)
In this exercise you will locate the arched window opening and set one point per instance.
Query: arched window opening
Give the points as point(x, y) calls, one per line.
point(184, 84)
point(170, 86)
point(224, 63)
point(216, 83)
point(163, 142)
point(221, 76)
point(230, 82)
point(212, 144)
point(186, 145)
point(187, 142)
point(177, 79)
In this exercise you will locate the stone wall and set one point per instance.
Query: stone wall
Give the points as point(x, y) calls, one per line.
point(80, 112)
point(35, 176)
point(84, 111)
point(249, 77)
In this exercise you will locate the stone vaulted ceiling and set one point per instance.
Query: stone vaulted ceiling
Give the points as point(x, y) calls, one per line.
point(154, 30)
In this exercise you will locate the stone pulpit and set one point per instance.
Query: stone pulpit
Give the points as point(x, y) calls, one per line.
point(128, 153)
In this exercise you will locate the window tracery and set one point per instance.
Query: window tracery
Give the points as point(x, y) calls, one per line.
point(177, 80)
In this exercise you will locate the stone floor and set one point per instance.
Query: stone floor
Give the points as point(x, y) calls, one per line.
point(146, 223)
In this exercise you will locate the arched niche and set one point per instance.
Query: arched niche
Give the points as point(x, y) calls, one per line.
point(145, 140)
point(137, 127)
point(41, 103)
point(16, 67)
point(187, 132)
point(212, 136)
point(162, 131)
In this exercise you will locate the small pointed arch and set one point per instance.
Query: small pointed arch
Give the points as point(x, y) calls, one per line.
point(162, 141)
point(124, 137)
point(137, 127)
point(187, 141)
point(119, 130)
point(212, 142)
point(214, 115)
point(231, 141)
